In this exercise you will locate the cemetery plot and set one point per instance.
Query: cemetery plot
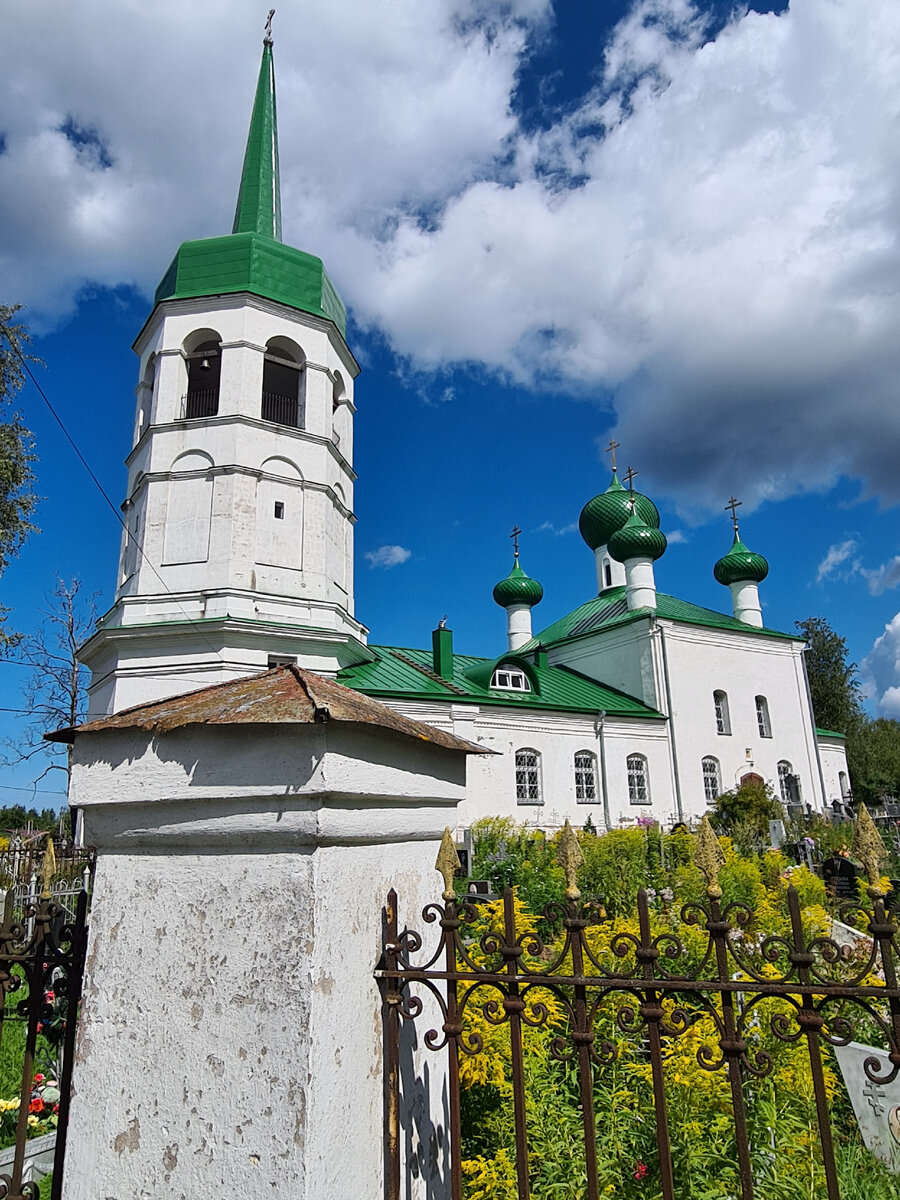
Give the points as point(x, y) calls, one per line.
point(678, 1050)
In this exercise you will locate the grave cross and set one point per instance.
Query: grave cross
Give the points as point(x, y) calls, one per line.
point(515, 537)
point(611, 449)
point(873, 1095)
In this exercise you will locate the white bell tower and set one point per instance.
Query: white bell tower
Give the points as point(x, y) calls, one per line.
point(239, 511)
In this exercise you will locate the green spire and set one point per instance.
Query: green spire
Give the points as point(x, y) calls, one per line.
point(259, 199)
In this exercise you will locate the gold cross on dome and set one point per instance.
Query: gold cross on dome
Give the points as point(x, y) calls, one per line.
point(611, 449)
point(515, 537)
point(629, 477)
point(732, 506)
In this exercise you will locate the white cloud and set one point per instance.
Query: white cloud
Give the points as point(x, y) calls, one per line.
point(880, 670)
point(836, 556)
point(882, 579)
point(726, 257)
point(677, 537)
point(388, 556)
point(560, 531)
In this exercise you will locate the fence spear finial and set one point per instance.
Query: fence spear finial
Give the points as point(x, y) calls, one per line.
point(48, 867)
point(869, 848)
point(709, 857)
point(447, 863)
point(570, 857)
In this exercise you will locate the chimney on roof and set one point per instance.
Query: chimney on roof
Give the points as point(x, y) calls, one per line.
point(442, 650)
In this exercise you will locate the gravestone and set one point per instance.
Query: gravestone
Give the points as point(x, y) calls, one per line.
point(840, 875)
point(876, 1106)
point(776, 834)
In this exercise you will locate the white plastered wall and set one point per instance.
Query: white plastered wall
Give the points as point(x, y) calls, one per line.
point(557, 737)
point(833, 756)
point(211, 581)
point(230, 1038)
point(701, 661)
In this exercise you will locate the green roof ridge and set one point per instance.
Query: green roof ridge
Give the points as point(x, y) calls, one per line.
point(259, 196)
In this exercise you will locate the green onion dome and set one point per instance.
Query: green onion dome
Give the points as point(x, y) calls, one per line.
point(637, 539)
point(741, 565)
point(608, 512)
point(517, 588)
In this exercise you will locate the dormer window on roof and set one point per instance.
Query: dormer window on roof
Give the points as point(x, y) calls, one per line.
point(510, 679)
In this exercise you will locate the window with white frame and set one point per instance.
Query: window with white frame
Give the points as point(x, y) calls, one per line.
point(788, 785)
point(507, 678)
point(762, 717)
point(723, 716)
point(712, 779)
point(844, 783)
point(528, 777)
point(638, 779)
point(585, 777)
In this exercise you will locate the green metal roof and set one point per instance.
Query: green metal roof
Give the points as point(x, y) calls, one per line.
point(602, 516)
point(252, 262)
point(259, 198)
point(611, 609)
point(518, 588)
point(407, 674)
point(830, 733)
point(253, 258)
point(740, 565)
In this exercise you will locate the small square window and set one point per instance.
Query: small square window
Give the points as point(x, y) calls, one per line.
point(279, 510)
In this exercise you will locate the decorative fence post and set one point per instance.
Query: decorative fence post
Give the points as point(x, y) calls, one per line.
point(229, 1043)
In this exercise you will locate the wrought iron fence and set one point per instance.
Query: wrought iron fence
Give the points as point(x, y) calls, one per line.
point(647, 987)
point(42, 954)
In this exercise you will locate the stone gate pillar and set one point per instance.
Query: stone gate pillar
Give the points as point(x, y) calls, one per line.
point(230, 1041)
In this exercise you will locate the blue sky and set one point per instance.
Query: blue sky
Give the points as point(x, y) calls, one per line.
point(673, 222)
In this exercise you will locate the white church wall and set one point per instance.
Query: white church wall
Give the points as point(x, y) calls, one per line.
point(833, 756)
point(557, 737)
point(622, 657)
point(702, 661)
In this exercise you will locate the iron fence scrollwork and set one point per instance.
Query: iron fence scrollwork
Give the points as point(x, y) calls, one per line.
point(658, 992)
point(42, 956)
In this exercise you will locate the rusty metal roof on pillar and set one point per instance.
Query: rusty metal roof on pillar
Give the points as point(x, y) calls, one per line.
point(282, 696)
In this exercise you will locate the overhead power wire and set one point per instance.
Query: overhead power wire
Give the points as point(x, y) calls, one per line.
point(84, 462)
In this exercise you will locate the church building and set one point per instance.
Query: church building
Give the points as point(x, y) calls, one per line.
point(237, 558)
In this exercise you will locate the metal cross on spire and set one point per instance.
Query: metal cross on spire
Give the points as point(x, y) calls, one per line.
point(630, 476)
point(611, 449)
point(515, 537)
point(267, 39)
point(732, 506)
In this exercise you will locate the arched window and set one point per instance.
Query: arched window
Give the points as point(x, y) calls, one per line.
point(528, 777)
point(712, 779)
point(204, 367)
point(844, 783)
point(585, 777)
point(723, 716)
point(788, 783)
point(507, 678)
point(762, 717)
point(638, 779)
point(607, 573)
point(282, 389)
